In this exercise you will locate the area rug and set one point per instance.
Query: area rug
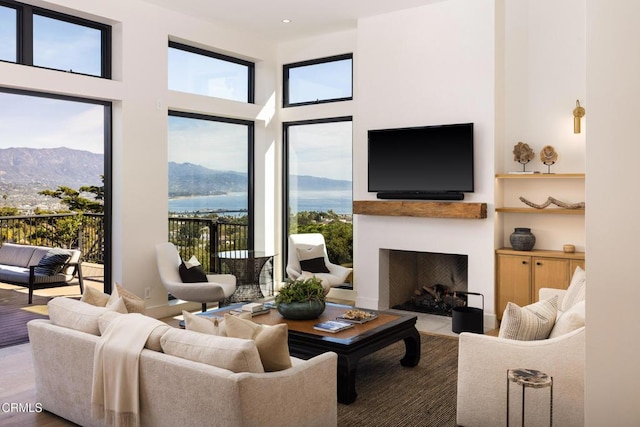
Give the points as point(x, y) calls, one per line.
point(392, 395)
point(13, 317)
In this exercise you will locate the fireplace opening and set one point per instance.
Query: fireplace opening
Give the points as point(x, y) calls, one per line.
point(427, 282)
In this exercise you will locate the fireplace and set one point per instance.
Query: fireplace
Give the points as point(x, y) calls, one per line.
point(427, 282)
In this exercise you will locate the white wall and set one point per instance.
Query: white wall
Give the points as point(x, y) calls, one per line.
point(141, 101)
point(613, 229)
point(425, 66)
point(544, 75)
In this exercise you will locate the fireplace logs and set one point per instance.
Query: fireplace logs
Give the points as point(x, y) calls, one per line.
point(436, 299)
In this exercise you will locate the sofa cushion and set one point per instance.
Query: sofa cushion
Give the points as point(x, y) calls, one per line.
point(206, 325)
point(13, 254)
point(78, 315)
point(576, 290)
point(532, 322)
point(570, 320)
point(311, 258)
point(94, 297)
point(233, 354)
point(153, 342)
point(271, 341)
point(191, 271)
point(52, 262)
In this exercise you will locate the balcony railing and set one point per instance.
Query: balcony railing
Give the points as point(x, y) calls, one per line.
point(201, 237)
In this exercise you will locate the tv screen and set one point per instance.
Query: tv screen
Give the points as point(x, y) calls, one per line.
point(428, 159)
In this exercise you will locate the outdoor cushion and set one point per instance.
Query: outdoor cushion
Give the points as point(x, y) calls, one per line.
point(17, 255)
point(52, 262)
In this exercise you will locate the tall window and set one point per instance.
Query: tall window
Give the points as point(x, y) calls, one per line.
point(319, 80)
point(207, 73)
point(43, 38)
point(210, 180)
point(54, 156)
point(8, 34)
point(318, 185)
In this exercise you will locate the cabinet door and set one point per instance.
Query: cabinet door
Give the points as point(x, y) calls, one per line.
point(549, 273)
point(514, 281)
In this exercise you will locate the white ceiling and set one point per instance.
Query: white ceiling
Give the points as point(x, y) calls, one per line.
point(308, 17)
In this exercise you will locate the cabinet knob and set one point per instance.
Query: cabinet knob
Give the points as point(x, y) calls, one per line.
point(524, 262)
point(538, 263)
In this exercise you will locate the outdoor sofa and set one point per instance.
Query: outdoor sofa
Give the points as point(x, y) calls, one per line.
point(39, 266)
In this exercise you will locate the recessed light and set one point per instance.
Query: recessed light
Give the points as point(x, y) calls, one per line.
point(286, 21)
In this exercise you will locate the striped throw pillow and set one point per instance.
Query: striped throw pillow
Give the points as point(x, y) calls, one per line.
point(529, 323)
point(576, 290)
point(53, 262)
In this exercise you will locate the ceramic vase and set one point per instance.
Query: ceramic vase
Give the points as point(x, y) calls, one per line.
point(522, 239)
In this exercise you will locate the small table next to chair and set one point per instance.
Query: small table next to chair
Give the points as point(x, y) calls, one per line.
point(246, 265)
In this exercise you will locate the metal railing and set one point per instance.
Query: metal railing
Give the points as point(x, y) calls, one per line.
point(202, 237)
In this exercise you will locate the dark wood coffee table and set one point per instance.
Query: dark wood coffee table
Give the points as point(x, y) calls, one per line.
point(350, 345)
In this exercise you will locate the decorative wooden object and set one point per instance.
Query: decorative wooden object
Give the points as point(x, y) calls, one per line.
point(424, 209)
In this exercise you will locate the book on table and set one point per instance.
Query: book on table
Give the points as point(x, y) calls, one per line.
point(253, 307)
point(332, 326)
point(252, 313)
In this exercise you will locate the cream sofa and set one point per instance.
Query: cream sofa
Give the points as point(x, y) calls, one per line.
point(175, 391)
point(483, 362)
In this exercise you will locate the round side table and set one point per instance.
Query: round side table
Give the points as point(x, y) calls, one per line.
point(530, 378)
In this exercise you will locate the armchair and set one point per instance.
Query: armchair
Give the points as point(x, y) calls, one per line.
point(483, 362)
point(217, 289)
point(314, 245)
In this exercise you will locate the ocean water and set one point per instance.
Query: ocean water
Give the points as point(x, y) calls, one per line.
point(235, 204)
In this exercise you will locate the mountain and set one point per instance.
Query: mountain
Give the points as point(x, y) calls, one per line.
point(48, 168)
point(188, 179)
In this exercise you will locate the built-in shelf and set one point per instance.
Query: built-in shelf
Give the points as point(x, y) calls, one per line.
point(421, 208)
point(547, 211)
point(540, 176)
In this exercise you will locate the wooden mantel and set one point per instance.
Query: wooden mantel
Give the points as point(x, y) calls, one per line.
point(420, 208)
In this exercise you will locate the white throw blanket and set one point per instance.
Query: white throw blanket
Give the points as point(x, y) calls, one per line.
point(115, 394)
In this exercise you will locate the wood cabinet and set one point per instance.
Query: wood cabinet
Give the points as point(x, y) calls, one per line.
point(520, 274)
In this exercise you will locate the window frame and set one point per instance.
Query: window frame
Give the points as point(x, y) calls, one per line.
point(250, 162)
point(251, 66)
point(286, 68)
point(107, 168)
point(24, 36)
point(285, 173)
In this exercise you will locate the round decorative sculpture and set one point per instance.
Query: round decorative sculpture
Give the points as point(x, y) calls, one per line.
point(301, 310)
point(548, 156)
point(522, 239)
point(523, 154)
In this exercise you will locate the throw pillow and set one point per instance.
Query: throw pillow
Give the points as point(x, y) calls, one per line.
point(192, 272)
point(233, 354)
point(94, 297)
point(53, 262)
point(312, 258)
point(532, 322)
point(205, 325)
point(133, 302)
point(576, 290)
point(570, 320)
point(271, 341)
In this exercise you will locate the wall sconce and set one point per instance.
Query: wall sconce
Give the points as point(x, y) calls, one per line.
point(578, 113)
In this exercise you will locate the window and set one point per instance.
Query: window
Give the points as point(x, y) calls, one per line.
point(317, 81)
point(48, 39)
point(8, 34)
point(210, 183)
point(206, 73)
point(318, 184)
point(42, 135)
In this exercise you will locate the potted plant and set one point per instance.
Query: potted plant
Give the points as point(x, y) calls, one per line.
point(301, 299)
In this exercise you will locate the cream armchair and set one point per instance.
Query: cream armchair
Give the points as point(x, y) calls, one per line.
point(217, 289)
point(314, 245)
point(483, 362)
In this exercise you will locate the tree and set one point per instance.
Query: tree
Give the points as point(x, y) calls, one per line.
point(74, 199)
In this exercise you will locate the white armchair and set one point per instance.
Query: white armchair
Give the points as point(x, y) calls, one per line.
point(217, 289)
point(313, 244)
point(483, 362)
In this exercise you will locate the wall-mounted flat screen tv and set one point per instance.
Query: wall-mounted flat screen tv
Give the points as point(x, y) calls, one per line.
point(428, 162)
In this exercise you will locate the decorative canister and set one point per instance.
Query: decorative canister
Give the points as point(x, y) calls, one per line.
point(522, 239)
